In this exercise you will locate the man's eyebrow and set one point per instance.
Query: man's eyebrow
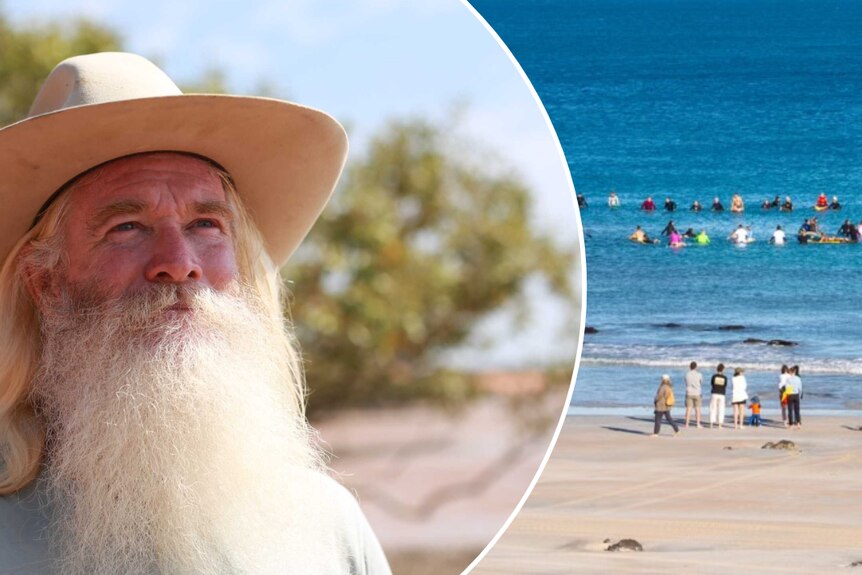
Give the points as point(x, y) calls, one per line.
point(120, 208)
point(131, 207)
point(214, 207)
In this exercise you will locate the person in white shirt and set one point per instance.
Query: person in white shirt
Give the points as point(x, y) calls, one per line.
point(740, 235)
point(778, 236)
point(693, 393)
point(738, 395)
point(782, 383)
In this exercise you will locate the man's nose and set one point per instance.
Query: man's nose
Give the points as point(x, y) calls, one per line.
point(173, 259)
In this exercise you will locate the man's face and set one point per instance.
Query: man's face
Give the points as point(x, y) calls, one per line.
point(156, 218)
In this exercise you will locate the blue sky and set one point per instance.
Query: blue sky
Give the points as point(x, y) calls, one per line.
point(363, 61)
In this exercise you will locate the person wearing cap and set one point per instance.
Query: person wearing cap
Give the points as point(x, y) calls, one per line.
point(152, 416)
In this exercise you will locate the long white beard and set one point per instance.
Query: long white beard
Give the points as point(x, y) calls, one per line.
point(174, 443)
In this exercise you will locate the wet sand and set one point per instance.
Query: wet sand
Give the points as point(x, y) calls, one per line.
point(705, 501)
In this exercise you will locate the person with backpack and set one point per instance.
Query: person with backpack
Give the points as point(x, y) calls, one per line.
point(664, 400)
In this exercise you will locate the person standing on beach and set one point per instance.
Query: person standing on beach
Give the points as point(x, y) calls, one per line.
point(664, 400)
point(782, 384)
point(693, 393)
point(718, 385)
point(794, 394)
point(738, 397)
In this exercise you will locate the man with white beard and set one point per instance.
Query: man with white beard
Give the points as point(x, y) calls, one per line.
point(151, 400)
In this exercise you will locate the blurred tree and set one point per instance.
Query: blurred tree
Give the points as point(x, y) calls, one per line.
point(420, 242)
point(29, 53)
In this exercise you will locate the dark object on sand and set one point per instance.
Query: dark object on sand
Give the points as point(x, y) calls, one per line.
point(856, 564)
point(731, 327)
point(728, 448)
point(782, 343)
point(625, 545)
point(590, 329)
point(783, 444)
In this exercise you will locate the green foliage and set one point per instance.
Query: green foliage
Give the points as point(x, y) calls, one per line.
point(28, 54)
point(420, 242)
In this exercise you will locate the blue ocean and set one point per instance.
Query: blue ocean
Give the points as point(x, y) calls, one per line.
point(694, 100)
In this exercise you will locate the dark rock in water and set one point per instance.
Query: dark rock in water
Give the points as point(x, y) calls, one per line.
point(782, 342)
point(753, 340)
point(625, 545)
point(731, 327)
point(670, 325)
point(783, 444)
point(590, 329)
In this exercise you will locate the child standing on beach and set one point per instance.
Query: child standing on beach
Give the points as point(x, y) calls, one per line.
point(754, 420)
point(664, 400)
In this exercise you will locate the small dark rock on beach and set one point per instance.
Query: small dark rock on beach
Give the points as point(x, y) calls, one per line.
point(783, 444)
point(625, 545)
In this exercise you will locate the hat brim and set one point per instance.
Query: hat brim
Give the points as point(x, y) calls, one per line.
point(284, 158)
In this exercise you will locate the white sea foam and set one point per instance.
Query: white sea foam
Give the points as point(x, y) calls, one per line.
point(807, 366)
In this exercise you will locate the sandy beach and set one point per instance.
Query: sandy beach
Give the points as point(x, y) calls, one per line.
point(705, 501)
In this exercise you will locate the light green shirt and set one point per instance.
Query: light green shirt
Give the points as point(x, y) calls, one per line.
point(25, 542)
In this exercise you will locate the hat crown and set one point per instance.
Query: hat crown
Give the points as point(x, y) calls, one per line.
point(101, 78)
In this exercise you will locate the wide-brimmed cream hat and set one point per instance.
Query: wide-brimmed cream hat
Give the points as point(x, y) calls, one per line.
point(284, 158)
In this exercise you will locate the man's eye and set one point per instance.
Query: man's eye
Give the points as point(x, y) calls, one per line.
point(205, 224)
point(125, 227)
